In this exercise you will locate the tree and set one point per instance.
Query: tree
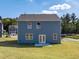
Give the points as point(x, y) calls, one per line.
point(70, 23)
point(0, 18)
point(74, 19)
point(8, 21)
point(65, 23)
point(77, 26)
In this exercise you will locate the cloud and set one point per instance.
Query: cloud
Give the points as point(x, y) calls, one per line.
point(64, 6)
point(74, 3)
point(56, 9)
point(49, 12)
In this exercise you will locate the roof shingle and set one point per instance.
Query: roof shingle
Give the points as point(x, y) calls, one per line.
point(38, 17)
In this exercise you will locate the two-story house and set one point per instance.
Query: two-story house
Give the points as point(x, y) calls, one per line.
point(39, 28)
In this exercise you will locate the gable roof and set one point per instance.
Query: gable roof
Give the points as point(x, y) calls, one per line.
point(38, 17)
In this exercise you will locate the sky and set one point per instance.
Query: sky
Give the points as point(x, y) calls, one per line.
point(13, 8)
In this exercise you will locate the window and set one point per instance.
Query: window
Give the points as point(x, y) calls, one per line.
point(54, 36)
point(29, 25)
point(38, 25)
point(29, 36)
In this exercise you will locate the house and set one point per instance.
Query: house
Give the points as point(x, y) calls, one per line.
point(1, 29)
point(13, 30)
point(39, 29)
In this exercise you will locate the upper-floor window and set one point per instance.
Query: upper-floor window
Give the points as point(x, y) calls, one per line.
point(38, 25)
point(29, 25)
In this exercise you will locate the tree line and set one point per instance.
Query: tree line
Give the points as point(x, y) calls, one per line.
point(69, 23)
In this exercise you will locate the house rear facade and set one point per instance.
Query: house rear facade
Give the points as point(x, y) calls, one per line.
point(13, 30)
point(39, 28)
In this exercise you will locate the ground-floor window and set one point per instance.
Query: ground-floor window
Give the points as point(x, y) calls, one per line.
point(29, 36)
point(55, 36)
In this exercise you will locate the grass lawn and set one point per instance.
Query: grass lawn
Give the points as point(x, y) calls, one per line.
point(9, 49)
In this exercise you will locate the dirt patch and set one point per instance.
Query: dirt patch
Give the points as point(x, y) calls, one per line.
point(69, 40)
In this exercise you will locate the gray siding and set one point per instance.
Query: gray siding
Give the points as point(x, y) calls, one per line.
point(47, 27)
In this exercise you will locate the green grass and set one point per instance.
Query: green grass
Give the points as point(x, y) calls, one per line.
point(73, 36)
point(9, 49)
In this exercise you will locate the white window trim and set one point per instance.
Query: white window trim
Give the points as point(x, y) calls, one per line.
point(29, 26)
point(38, 26)
point(27, 37)
point(43, 40)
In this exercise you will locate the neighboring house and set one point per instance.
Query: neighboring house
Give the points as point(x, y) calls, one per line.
point(13, 30)
point(39, 28)
point(1, 29)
